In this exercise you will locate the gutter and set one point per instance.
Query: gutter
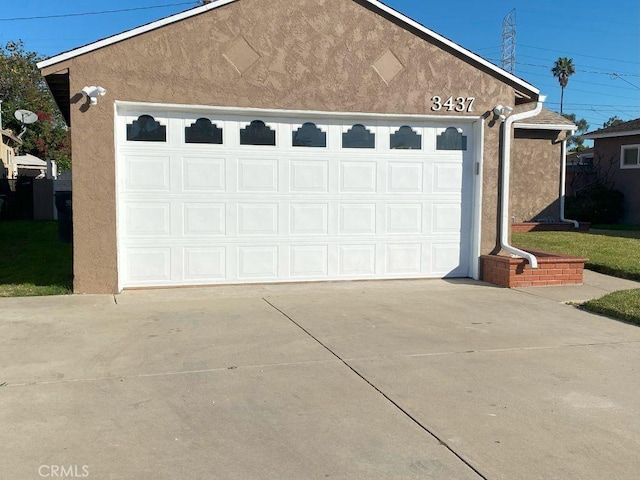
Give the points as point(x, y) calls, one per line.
point(563, 187)
point(507, 129)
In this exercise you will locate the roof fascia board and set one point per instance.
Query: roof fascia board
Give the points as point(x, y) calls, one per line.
point(196, 11)
point(595, 136)
point(545, 126)
point(453, 45)
point(131, 33)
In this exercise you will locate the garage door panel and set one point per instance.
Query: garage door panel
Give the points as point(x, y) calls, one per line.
point(204, 264)
point(258, 262)
point(257, 175)
point(447, 259)
point(358, 177)
point(357, 219)
point(203, 174)
point(211, 213)
point(309, 219)
point(447, 218)
point(357, 260)
point(257, 219)
point(204, 219)
point(309, 176)
point(404, 259)
point(148, 220)
point(149, 265)
point(309, 261)
point(147, 173)
point(405, 177)
point(447, 178)
point(404, 219)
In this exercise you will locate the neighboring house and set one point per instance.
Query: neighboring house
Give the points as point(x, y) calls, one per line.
point(253, 141)
point(616, 155)
point(8, 147)
point(577, 161)
point(30, 166)
point(580, 171)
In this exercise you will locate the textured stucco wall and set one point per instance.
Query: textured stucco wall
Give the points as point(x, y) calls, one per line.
point(627, 180)
point(535, 176)
point(313, 55)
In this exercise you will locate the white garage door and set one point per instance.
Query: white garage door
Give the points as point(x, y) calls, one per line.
point(206, 198)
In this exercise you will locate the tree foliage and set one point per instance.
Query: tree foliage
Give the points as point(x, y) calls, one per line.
point(22, 87)
point(562, 69)
point(612, 122)
point(576, 141)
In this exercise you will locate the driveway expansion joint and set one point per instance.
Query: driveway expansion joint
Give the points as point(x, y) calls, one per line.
point(379, 391)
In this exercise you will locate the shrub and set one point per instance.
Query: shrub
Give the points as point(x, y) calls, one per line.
point(598, 204)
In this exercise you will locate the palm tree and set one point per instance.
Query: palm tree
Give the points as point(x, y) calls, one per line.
point(562, 69)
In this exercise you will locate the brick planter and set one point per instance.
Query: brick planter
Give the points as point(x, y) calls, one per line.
point(549, 227)
point(553, 269)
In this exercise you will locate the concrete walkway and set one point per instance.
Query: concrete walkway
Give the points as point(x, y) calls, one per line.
point(420, 379)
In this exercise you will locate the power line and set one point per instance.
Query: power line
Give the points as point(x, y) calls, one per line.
point(581, 54)
point(626, 81)
point(83, 14)
point(601, 72)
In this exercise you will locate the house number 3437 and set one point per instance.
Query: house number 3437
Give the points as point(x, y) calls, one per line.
point(453, 104)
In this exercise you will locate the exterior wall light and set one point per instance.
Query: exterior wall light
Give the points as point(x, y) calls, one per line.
point(501, 112)
point(93, 92)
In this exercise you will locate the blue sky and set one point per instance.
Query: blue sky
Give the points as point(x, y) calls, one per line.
point(602, 37)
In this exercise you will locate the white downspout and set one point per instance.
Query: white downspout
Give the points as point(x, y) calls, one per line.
point(505, 183)
point(563, 187)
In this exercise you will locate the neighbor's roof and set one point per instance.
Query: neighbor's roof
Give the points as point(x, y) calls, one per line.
point(547, 120)
point(9, 134)
point(632, 127)
point(219, 3)
point(29, 160)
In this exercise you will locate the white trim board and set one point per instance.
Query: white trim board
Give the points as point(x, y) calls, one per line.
point(269, 112)
point(219, 3)
point(542, 126)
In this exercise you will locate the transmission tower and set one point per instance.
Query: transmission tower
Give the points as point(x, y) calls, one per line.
point(509, 42)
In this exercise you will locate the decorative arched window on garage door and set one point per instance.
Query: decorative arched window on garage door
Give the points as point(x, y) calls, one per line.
point(257, 133)
point(406, 138)
point(451, 139)
point(358, 136)
point(146, 129)
point(309, 135)
point(203, 131)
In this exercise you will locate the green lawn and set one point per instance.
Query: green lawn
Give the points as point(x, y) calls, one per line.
point(613, 252)
point(623, 305)
point(33, 261)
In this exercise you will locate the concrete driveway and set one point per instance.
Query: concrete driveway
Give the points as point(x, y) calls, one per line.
point(375, 380)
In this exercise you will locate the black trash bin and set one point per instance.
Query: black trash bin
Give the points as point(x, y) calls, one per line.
point(65, 219)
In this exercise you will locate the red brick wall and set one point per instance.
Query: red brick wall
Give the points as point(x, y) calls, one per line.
point(516, 272)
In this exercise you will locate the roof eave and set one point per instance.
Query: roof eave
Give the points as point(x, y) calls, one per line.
point(595, 136)
point(546, 126)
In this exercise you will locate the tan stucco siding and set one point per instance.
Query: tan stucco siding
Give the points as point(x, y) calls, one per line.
point(535, 176)
point(313, 55)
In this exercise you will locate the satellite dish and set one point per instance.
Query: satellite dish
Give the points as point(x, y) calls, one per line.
point(25, 116)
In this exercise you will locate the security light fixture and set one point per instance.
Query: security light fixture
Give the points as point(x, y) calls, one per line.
point(93, 92)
